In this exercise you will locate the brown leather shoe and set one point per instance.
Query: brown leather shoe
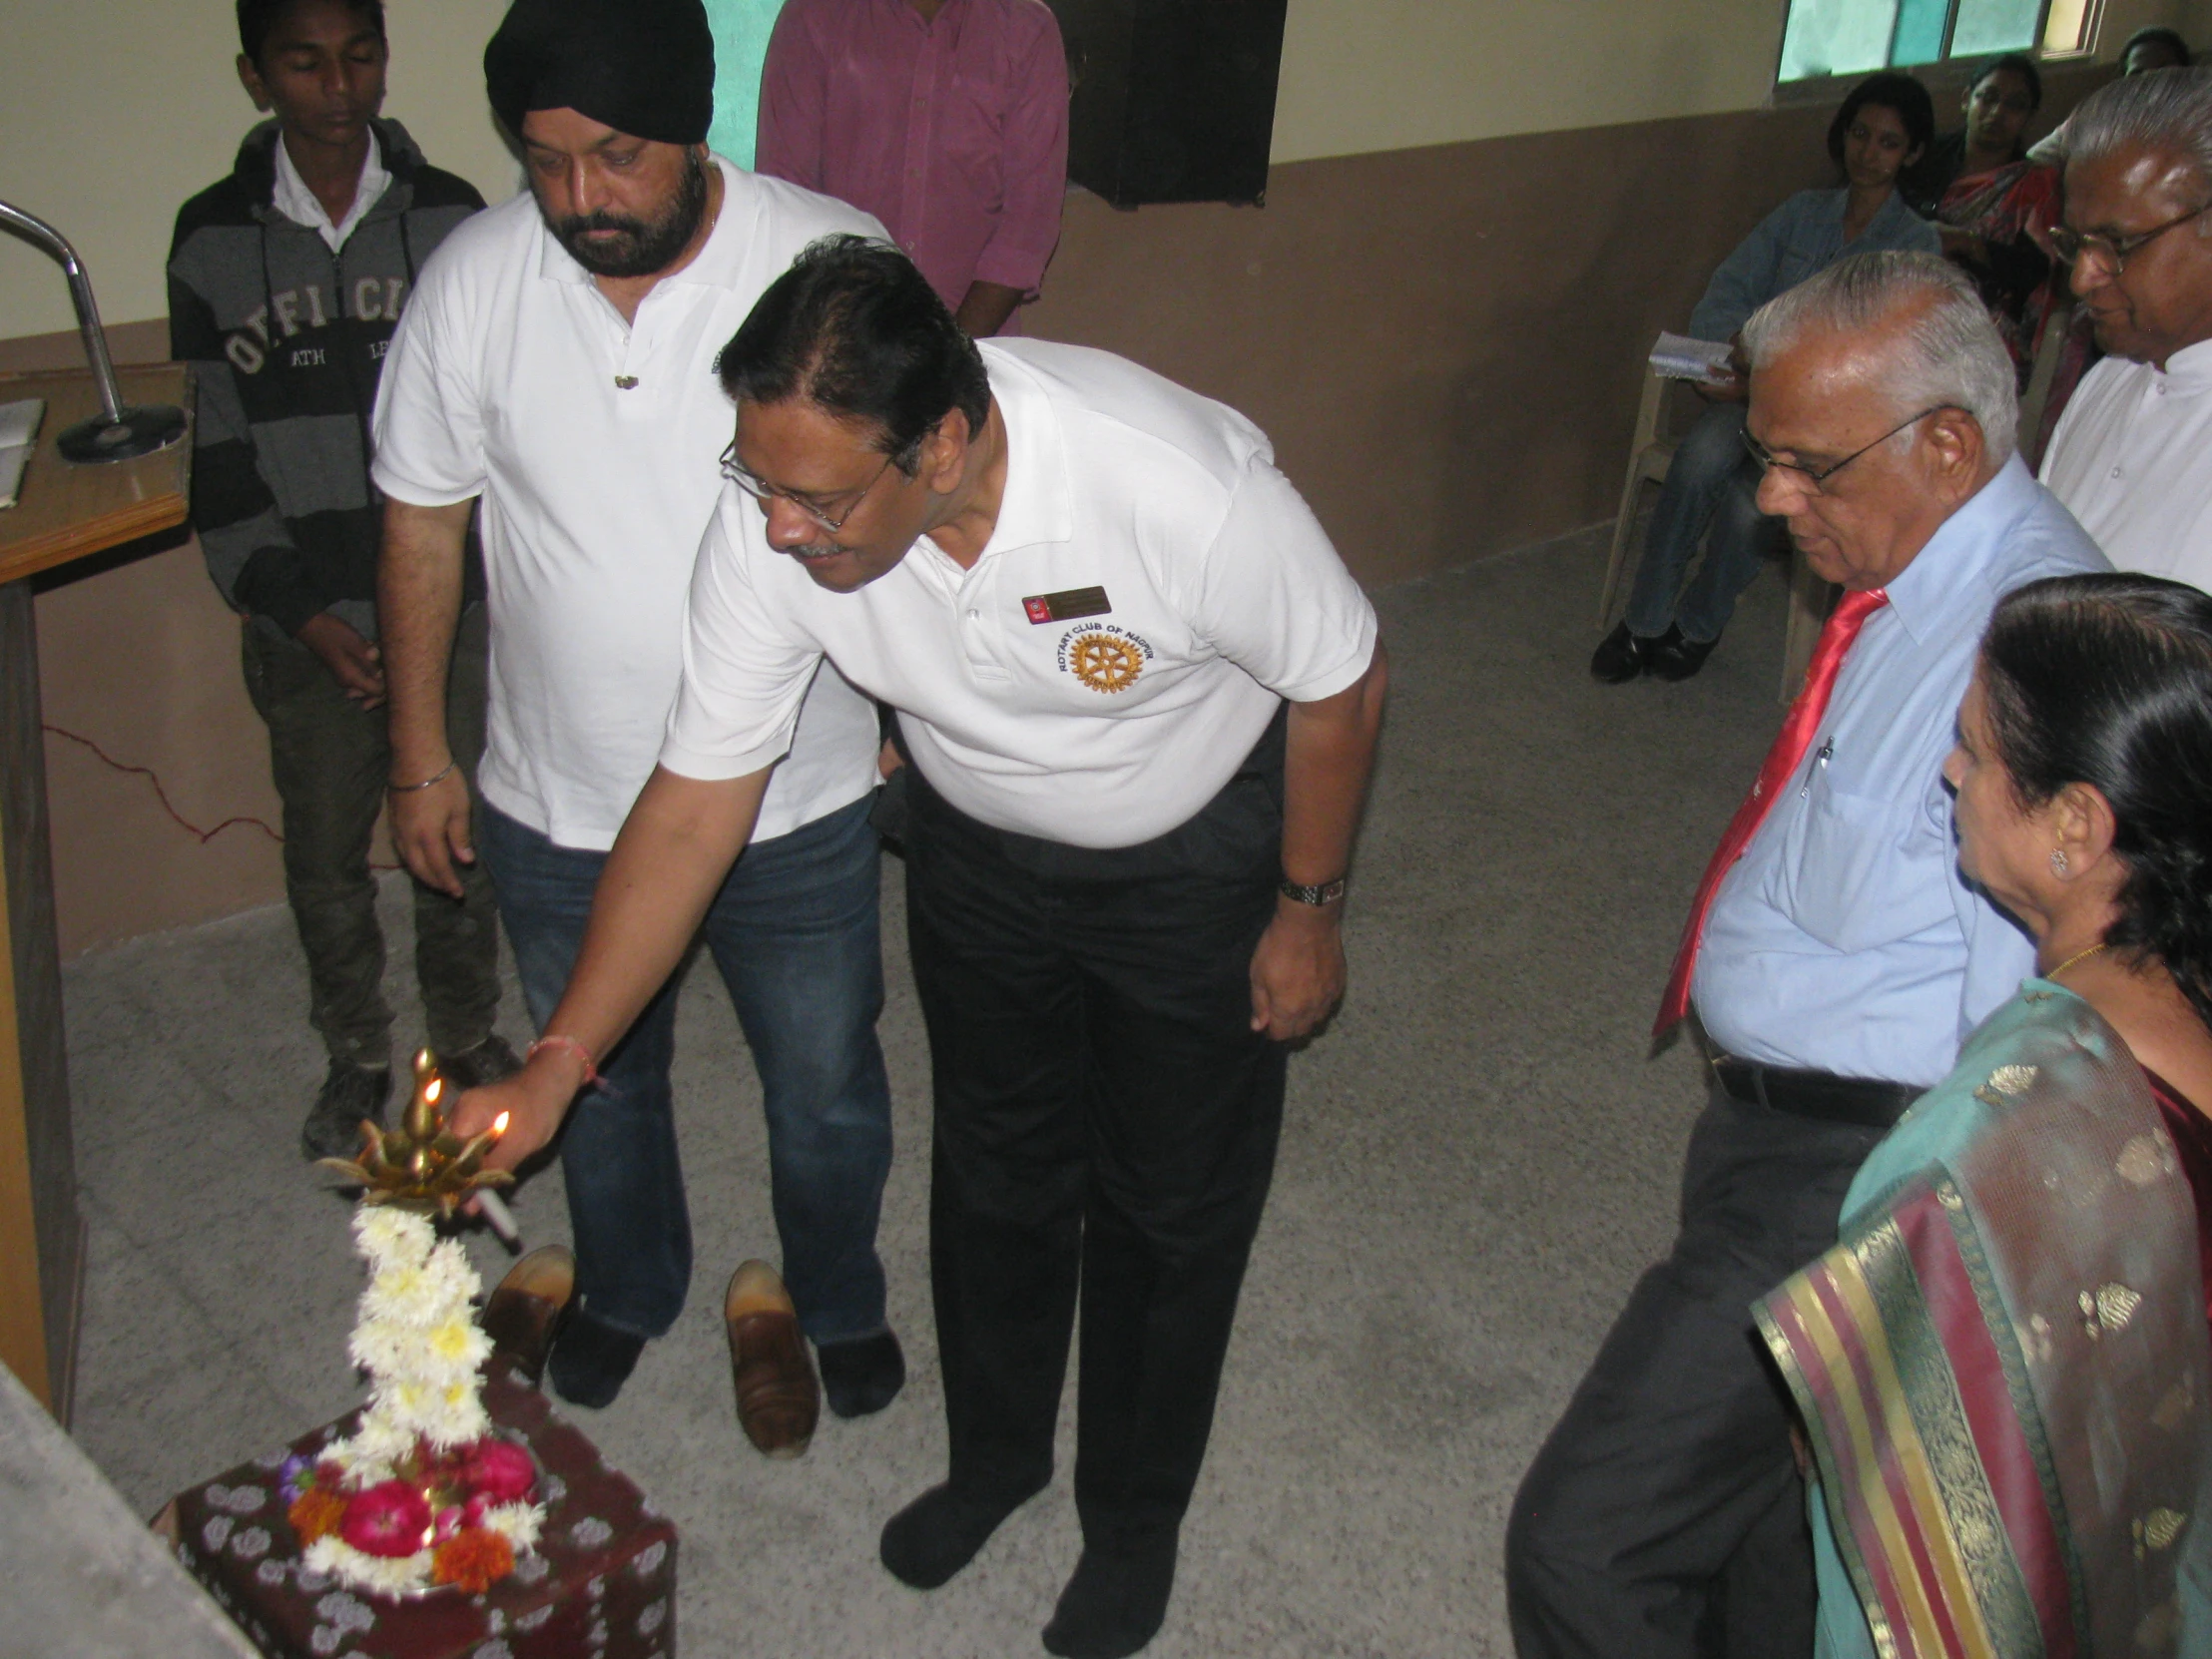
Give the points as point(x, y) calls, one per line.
point(525, 1310)
point(778, 1397)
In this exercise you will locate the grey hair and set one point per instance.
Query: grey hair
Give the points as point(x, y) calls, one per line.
point(2166, 109)
point(1951, 358)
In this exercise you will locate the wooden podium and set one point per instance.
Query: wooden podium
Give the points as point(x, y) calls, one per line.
point(61, 513)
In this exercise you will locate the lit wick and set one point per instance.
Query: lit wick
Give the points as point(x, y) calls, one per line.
point(420, 1164)
point(491, 1205)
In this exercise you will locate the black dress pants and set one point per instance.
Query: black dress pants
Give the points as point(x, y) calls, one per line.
point(1664, 1518)
point(1105, 1118)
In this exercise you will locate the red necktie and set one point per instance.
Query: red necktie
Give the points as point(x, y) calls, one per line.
point(1790, 745)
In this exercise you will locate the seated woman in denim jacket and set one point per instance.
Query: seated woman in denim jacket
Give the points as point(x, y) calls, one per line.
point(1883, 128)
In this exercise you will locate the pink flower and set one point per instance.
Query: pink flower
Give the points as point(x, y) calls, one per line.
point(498, 1471)
point(387, 1519)
point(450, 1521)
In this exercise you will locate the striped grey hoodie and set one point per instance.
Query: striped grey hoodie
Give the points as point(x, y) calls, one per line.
point(287, 340)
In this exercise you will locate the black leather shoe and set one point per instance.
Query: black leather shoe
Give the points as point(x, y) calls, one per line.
point(1620, 656)
point(351, 1094)
point(1671, 657)
point(863, 1374)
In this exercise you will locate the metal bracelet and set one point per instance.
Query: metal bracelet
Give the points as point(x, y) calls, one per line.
point(1327, 893)
point(435, 777)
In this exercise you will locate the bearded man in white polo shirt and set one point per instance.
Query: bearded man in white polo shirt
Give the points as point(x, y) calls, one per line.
point(556, 367)
point(1140, 695)
point(2132, 456)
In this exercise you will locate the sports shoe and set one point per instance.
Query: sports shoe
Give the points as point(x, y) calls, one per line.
point(351, 1092)
point(487, 1062)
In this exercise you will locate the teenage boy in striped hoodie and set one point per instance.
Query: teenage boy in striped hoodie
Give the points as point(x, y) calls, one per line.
point(285, 282)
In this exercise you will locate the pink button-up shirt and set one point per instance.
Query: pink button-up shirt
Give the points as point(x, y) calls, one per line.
point(953, 132)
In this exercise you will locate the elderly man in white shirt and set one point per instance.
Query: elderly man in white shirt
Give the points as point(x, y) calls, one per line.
point(1140, 694)
point(2132, 457)
point(556, 370)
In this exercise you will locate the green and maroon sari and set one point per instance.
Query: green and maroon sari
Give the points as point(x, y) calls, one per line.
point(2004, 1367)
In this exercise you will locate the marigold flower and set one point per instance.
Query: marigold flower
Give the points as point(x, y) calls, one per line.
point(315, 1513)
point(473, 1558)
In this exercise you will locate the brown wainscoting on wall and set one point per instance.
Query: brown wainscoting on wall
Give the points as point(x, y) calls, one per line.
point(139, 656)
point(1445, 344)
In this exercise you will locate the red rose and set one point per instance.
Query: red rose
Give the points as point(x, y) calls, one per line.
point(387, 1519)
point(498, 1471)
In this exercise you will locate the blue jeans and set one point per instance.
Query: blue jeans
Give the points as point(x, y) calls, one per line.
point(1712, 481)
point(794, 932)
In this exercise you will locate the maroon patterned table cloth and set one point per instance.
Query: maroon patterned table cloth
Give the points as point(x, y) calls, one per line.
point(600, 1585)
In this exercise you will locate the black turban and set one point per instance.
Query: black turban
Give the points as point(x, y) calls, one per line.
point(642, 67)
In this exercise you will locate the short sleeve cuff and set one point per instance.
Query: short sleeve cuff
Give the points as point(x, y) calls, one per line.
point(414, 492)
point(715, 766)
point(1014, 266)
point(1346, 673)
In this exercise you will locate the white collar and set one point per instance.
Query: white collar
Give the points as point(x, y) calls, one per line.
point(2191, 367)
point(298, 204)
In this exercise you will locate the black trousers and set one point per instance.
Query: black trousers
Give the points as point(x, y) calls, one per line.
point(1664, 1516)
point(1105, 1118)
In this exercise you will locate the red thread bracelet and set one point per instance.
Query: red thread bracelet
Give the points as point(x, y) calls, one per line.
point(554, 1039)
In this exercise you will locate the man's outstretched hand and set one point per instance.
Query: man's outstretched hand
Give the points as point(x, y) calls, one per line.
point(535, 1099)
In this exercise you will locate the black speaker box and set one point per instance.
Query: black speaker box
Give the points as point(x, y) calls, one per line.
point(1173, 100)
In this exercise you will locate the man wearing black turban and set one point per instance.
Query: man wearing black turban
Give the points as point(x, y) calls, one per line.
point(556, 367)
point(642, 67)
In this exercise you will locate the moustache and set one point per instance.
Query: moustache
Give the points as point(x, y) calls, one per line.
point(577, 225)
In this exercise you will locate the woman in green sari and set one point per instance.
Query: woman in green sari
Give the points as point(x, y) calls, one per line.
point(2003, 1367)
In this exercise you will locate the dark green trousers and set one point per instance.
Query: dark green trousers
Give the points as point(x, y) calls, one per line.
point(331, 760)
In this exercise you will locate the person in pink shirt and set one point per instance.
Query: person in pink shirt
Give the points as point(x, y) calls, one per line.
point(945, 119)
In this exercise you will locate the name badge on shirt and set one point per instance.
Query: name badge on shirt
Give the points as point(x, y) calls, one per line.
point(1067, 605)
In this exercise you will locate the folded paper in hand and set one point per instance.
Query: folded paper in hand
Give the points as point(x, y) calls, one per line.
point(1679, 357)
point(18, 438)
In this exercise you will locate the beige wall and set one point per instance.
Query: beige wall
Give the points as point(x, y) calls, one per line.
point(112, 111)
point(1368, 75)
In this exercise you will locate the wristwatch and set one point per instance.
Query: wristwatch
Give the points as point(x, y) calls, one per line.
point(1326, 893)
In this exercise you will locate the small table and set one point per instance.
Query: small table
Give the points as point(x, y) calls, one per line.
point(601, 1584)
point(63, 513)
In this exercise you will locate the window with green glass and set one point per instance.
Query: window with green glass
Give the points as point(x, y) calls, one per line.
point(740, 46)
point(1852, 37)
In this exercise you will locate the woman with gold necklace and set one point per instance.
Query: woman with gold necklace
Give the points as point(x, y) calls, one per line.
point(2003, 1367)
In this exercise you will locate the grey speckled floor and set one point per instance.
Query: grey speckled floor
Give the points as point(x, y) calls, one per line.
point(1479, 1161)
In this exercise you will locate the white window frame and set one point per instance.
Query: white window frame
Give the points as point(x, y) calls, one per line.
point(1943, 71)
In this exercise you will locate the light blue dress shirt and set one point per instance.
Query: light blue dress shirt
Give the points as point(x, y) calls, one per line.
point(1802, 235)
point(1844, 940)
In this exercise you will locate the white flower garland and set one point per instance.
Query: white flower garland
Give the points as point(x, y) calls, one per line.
point(420, 1342)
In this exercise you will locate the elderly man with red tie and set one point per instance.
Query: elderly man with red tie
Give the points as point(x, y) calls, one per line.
point(1834, 956)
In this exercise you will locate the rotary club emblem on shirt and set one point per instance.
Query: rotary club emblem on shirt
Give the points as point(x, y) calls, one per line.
point(1107, 659)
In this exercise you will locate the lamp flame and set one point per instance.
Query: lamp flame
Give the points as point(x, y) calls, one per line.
point(500, 1123)
point(435, 1088)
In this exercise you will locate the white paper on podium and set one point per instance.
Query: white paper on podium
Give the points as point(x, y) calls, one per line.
point(18, 438)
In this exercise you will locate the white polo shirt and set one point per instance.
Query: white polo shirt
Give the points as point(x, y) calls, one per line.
point(595, 447)
point(1152, 589)
point(2132, 461)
